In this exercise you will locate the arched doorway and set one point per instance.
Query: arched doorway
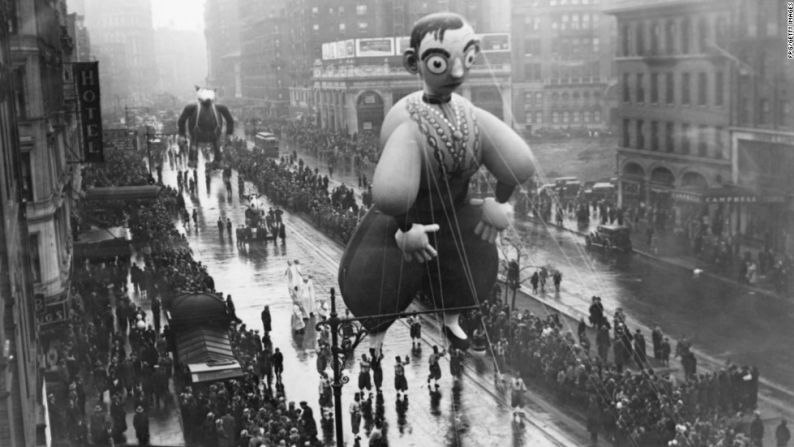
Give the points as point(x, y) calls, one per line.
point(661, 196)
point(369, 109)
point(488, 98)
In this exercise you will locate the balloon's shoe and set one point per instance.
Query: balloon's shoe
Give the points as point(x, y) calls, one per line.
point(455, 341)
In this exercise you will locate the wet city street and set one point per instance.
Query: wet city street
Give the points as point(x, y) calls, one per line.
point(470, 412)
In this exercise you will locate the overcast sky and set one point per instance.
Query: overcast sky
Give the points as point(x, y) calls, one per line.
point(178, 14)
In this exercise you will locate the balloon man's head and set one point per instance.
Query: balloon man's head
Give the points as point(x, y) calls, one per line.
point(442, 49)
point(205, 95)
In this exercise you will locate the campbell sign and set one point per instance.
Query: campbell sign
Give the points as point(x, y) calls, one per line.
point(86, 78)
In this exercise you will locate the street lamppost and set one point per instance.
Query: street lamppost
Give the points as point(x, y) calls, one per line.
point(335, 324)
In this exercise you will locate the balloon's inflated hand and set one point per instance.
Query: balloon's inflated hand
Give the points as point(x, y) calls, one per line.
point(415, 244)
point(495, 218)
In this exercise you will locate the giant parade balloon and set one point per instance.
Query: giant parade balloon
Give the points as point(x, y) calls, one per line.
point(423, 235)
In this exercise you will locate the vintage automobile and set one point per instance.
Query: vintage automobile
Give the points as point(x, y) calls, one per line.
point(610, 239)
point(267, 143)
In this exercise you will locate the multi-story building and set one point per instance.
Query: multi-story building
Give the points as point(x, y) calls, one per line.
point(122, 39)
point(562, 64)
point(263, 57)
point(222, 28)
point(352, 89)
point(674, 107)
point(181, 62)
point(359, 80)
point(19, 394)
point(762, 128)
point(37, 128)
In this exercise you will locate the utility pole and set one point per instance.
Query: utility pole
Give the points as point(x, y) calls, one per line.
point(339, 354)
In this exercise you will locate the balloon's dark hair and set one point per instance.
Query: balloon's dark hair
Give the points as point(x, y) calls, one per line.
point(437, 24)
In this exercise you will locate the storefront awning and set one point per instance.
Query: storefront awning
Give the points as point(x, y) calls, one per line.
point(103, 243)
point(143, 192)
point(725, 194)
point(207, 354)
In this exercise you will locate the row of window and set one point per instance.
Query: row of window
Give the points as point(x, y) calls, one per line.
point(362, 26)
point(670, 137)
point(536, 98)
point(656, 83)
point(583, 70)
point(565, 117)
point(360, 10)
point(671, 36)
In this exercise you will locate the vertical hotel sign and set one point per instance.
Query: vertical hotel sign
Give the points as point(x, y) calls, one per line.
point(86, 78)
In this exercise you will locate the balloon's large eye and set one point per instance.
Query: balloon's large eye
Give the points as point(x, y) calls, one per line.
point(436, 64)
point(468, 59)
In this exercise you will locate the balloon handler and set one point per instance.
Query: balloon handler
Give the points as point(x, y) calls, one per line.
point(423, 234)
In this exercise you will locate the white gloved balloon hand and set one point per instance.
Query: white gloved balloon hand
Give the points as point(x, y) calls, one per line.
point(415, 244)
point(495, 218)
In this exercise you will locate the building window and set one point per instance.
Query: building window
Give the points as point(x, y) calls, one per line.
point(669, 36)
point(718, 132)
point(656, 30)
point(654, 136)
point(625, 40)
point(19, 96)
point(703, 34)
point(342, 27)
point(685, 138)
point(744, 111)
point(35, 259)
point(685, 36)
point(555, 117)
point(626, 93)
point(669, 88)
point(362, 25)
point(785, 112)
point(703, 146)
point(654, 88)
point(640, 134)
point(597, 116)
point(669, 133)
point(315, 10)
point(702, 89)
point(538, 118)
point(626, 133)
point(27, 176)
point(316, 27)
point(685, 88)
point(719, 88)
point(640, 39)
point(640, 88)
point(588, 116)
point(566, 117)
point(361, 9)
point(596, 43)
point(763, 117)
point(575, 117)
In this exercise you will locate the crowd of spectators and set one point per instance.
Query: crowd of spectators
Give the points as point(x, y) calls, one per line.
point(292, 184)
point(632, 407)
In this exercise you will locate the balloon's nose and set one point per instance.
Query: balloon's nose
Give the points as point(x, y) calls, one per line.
point(457, 68)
